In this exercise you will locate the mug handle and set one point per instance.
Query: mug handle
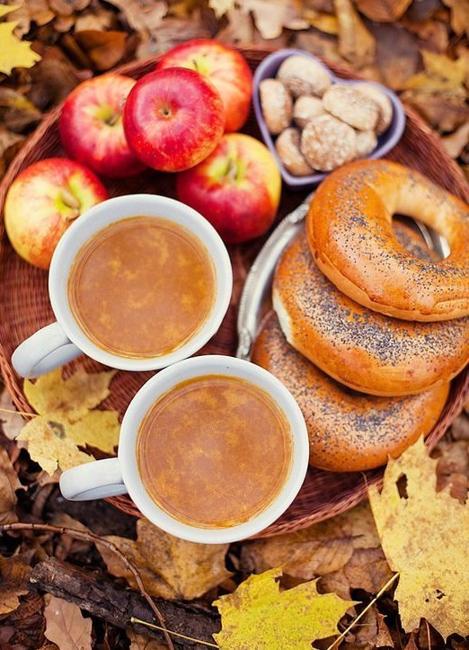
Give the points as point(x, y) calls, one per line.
point(46, 349)
point(96, 480)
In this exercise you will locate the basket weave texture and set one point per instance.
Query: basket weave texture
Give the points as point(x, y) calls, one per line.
point(25, 307)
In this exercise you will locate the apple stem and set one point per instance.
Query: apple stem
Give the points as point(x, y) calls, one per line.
point(113, 119)
point(71, 202)
point(231, 169)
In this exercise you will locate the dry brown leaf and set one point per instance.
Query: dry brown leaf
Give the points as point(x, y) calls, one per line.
point(221, 7)
point(444, 111)
point(383, 11)
point(12, 422)
point(71, 398)
point(65, 625)
point(272, 16)
point(459, 15)
point(457, 141)
point(397, 53)
point(383, 637)
point(154, 585)
point(370, 632)
point(460, 427)
point(171, 567)
point(323, 21)
point(190, 569)
point(142, 15)
point(9, 482)
point(30, 11)
point(322, 45)
point(424, 537)
point(68, 7)
point(98, 18)
point(345, 551)
point(17, 113)
point(453, 467)
point(356, 43)
point(66, 544)
point(52, 78)
point(433, 32)
point(239, 29)
point(171, 32)
point(105, 49)
point(140, 642)
point(14, 574)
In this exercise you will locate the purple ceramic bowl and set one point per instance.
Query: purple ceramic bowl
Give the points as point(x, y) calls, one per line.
point(386, 141)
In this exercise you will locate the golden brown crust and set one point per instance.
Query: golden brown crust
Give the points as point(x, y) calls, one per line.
point(350, 234)
point(361, 348)
point(347, 431)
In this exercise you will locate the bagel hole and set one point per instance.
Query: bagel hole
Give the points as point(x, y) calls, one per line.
point(430, 239)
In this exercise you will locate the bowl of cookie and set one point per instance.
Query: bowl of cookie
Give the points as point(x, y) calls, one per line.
point(314, 121)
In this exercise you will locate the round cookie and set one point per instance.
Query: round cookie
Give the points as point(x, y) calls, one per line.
point(288, 149)
point(276, 104)
point(305, 108)
point(327, 143)
point(303, 76)
point(348, 432)
point(383, 102)
point(365, 143)
point(361, 348)
point(351, 106)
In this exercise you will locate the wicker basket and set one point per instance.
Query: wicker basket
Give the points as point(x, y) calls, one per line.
point(24, 303)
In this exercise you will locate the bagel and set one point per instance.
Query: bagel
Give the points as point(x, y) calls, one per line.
point(349, 228)
point(361, 348)
point(347, 431)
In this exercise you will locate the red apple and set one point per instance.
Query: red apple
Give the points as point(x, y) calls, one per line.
point(91, 126)
point(237, 188)
point(42, 202)
point(173, 119)
point(226, 68)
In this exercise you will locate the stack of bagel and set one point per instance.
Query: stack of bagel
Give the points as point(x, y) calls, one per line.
point(369, 325)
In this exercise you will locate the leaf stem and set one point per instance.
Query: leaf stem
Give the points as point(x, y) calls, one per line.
point(139, 621)
point(23, 413)
point(386, 586)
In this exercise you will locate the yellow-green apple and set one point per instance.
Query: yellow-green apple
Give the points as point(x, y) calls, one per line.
point(42, 202)
point(237, 188)
point(91, 126)
point(173, 119)
point(226, 68)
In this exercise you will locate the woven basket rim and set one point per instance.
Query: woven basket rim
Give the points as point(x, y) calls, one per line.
point(254, 55)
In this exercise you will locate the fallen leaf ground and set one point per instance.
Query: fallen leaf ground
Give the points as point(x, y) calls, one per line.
point(418, 48)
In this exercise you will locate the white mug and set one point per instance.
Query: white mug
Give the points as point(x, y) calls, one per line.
point(113, 476)
point(62, 341)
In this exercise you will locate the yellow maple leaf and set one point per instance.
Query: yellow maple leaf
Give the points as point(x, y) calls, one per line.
point(260, 617)
point(66, 421)
point(72, 397)
point(14, 53)
point(49, 445)
point(424, 536)
point(97, 429)
point(441, 74)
